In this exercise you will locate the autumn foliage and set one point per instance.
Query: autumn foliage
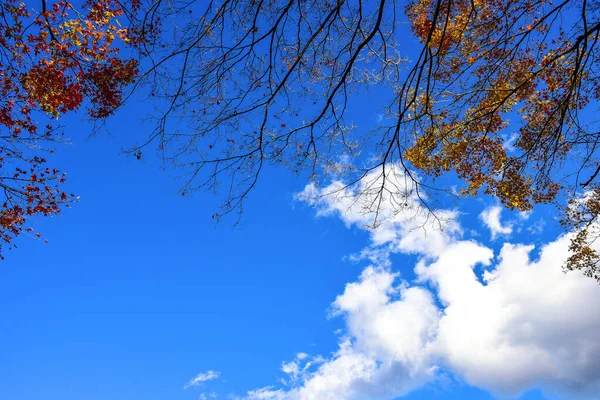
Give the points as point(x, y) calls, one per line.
point(508, 105)
point(499, 67)
point(54, 59)
point(500, 94)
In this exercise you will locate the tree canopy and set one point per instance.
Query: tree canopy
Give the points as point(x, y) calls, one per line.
point(501, 94)
point(54, 59)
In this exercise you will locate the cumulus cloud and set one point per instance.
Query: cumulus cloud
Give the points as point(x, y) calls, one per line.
point(525, 324)
point(389, 208)
point(491, 219)
point(202, 377)
point(381, 355)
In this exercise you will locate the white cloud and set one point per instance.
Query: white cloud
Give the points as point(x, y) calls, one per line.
point(266, 393)
point(537, 227)
point(393, 215)
point(491, 219)
point(526, 324)
point(202, 377)
point(530, 325)
point(509, 142)
point(382, 356)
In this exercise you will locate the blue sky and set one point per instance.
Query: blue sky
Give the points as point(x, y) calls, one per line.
point(138, 295)
point(138, 292)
